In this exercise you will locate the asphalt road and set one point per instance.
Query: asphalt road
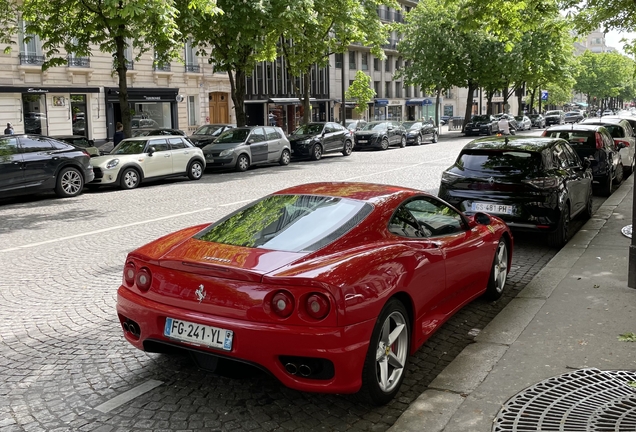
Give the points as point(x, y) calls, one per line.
point(64, 363)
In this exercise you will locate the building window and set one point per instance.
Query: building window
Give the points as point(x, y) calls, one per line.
point(191, 64)
point(376, 64)
point(387, 89)
point(339, 61)
point(193, 112)
point(398, 63)
point(376, 87)
point(407, 91)
point(398, 89)
point(352, 60)
point(365, 61)
point(387, 63)
point(30, 47)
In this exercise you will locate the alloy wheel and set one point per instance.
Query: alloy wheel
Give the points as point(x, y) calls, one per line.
point(196, 170)
point(71, 182)
point(500, 267)
point(391, 352)
point(131, 179)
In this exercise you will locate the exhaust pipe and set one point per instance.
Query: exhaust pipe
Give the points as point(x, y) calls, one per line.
point(291, 368)
point(304, 370)
point(125, 325)
point(133, 329)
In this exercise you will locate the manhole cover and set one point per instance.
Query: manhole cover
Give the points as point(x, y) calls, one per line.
point(627, 231)
point(587, 400)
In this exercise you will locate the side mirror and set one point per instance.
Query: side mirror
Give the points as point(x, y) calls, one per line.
point(250, 141)
point(389, 127)
point(151, 150)
point(482, 218)
point(620, 145)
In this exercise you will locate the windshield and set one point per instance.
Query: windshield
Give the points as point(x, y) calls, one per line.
point(500, 161)
point(309, 129)
point(412, 125)
point(130, 147)
point(534, 116)
point(374, 126)
point(520, 118)
point(552, 113)
point(481, 118)
point(233, 136)
point(208, 130)
point(293, 223)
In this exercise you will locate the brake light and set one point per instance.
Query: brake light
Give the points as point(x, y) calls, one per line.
point(282, 304)
point(619, 141)
point(317, 306)
point(545, 133)
point(129, 273)
point(542, 182)
point(143, 279)
point(599, 141)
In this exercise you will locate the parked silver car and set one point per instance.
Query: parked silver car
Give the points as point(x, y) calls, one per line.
point(242, 147)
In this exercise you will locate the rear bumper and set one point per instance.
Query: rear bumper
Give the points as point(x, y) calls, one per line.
point(260, 344)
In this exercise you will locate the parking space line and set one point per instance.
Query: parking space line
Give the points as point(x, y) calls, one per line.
point(127, 396)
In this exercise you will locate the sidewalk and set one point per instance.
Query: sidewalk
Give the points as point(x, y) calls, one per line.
point(567, 318)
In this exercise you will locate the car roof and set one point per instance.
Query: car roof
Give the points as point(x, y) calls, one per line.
point(576, 127)
point(532, 144)
point(600, 120)
point(147, 137)
point(369, 192)
point(66, 136)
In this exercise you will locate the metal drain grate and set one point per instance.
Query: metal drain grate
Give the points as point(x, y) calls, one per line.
point(587, 400)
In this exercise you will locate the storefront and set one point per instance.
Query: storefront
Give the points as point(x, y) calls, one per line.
point(151, 108)
point(48, 110)
point(422, 108)
point(395, 110)
point(380, 109)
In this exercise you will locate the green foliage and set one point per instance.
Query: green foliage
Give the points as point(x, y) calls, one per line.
point(8, 23)
point(360, 91)
point(605, 14)
point(627, 337)
point(605, 75)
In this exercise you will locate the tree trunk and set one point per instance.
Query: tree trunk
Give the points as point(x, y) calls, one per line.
point(120, 67)
point(306, 95)
point(439, 92)
point(519, 102)
point(533, 93)
point(506, 95)
point(237, 87)
point(489, 96)
point(469, 103)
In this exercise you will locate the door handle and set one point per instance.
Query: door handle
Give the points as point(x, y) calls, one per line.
point(166, 155)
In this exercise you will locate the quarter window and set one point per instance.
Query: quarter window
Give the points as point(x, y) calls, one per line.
point(177, 143)
point(35, 145)
point(159, 145)
point(271, 133)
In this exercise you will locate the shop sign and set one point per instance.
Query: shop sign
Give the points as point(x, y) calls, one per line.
point(37, 90)
point(395, 102)
point(152, 97)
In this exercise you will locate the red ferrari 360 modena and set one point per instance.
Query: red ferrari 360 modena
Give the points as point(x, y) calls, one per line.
point(328, 286)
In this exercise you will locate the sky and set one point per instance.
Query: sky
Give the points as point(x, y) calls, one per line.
point(612, 39)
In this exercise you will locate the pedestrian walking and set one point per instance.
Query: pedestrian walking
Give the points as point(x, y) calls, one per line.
point(9, 129)
point(119, 134)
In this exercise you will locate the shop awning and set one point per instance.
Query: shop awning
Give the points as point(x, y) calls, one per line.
point(286, 101)
point(583, 104)
point(381, 102)
point(420, 101)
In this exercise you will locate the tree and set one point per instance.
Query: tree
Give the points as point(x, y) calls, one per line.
point(604, 75)
point(361, 92)
point(323, 27)
point(8, 23)
point(236, 41)
point(111, 26)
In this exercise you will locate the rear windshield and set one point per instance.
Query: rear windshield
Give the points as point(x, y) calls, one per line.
point(578, 139)
point(479, 118)
point(292, 223)
point(500, 161)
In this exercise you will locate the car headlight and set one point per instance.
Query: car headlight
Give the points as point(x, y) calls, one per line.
point(112, 163)
point(226, 152)
point(412, 133)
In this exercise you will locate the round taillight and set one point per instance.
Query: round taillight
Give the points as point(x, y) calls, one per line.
point(317, 306)
point(282, 304)
point(143, 279)
point(129, 273)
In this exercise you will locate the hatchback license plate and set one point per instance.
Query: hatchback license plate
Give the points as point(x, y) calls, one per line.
point(492, 208)
point(362, 141)
point(185, 331)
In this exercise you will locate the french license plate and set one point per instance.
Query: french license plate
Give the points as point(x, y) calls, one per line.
point(492, 208)
point(362, 141)
point(292, 152)
point(185, 331)
point(475, 130)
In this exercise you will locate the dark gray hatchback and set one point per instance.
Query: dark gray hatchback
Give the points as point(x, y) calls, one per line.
point(535, 184)
point(32, 163)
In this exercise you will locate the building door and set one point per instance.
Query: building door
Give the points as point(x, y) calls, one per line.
point(79, 113)
point(34, 112)
point(219, 108)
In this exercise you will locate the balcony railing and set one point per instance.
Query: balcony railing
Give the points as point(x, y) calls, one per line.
point(31, 59)
point(162, 68)
point(192, 68)
point(391, 45)
point(84, 62)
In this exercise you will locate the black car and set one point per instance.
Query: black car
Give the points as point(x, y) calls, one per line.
point(207, 134)
point(81, 142)
point(481, 124)
point(573, 117)
point(554, 117)
point(418, 131)
point(354, 125)
point(537, 120)
point(534, 184)
point(33, 163)
point(380, 135)
point(315, 139)
point(596, 143)
point(160, 131)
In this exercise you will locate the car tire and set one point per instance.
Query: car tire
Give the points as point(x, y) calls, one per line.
point(316, 152)
point(376, 389)
point(195, 170)
point(347, 149)
point(130, 179)
point(618, 179)
point(384, 144)
point(285, 157)
point(435, 138)
point(489, 131)
point(559, 237)
point(498, 273)
point(418, 140)
point(69, 183)
point(242, 163)
point(588, 212)
point(627, 171)
point(403, 142)
point(606, 186)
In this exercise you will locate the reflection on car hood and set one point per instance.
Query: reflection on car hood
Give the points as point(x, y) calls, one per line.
point(220, 147)
point(294, 138)
point(101, 161)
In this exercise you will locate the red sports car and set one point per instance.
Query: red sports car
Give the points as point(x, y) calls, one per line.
point(328, 286)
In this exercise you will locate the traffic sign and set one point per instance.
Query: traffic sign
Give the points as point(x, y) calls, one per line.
point(544, 95)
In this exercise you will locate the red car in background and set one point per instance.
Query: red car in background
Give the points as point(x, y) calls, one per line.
point(328, 286)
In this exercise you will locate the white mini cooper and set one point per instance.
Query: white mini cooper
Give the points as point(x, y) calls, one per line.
point(145, 158)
